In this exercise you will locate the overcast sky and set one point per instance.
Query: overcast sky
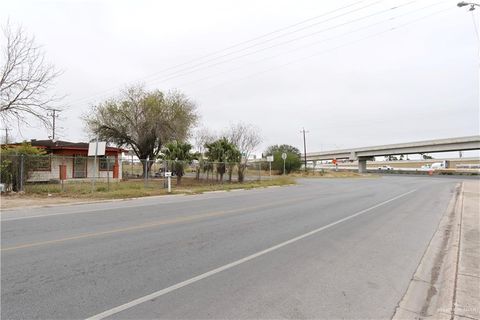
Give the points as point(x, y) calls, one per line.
point(363, 75)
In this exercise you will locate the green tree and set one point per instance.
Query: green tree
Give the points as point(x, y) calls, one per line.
point(179, 154)
point(16, 164)
point(143, 120)
point(222, 152)
point(292, 162)
point(234, 157)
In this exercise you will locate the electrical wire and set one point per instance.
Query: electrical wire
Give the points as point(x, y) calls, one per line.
point(329, 50)
point(176, 74)
point(321, 41)
point(475, 27)
point(245, 42)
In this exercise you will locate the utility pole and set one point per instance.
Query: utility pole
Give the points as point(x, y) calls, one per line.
point(6, 134)
point(54, 115)
point(304, 148)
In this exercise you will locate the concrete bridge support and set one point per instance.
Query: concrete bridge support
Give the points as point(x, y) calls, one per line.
point(362, 164)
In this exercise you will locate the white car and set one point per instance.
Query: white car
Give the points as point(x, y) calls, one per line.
point(385, 168)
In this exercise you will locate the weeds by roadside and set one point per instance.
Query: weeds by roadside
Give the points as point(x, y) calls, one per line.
point(138, 188)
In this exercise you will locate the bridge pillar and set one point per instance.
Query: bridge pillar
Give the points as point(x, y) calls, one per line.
point(362, 164)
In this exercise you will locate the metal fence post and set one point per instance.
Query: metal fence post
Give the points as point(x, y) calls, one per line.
point(63, 180)
point(108, 173)
point(145, 172)
point(165, 166)
point(259, 170)
point(22, 163)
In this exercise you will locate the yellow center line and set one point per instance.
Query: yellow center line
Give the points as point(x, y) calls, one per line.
point(149, 225)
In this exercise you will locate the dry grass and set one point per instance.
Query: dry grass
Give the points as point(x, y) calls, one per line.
point(44, 194)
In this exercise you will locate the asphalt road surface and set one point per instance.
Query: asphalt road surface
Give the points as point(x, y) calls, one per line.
point(326, 248)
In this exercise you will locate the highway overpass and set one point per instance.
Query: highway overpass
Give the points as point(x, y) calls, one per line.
point(368, 153)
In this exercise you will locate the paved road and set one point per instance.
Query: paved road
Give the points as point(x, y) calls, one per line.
point(339, 248)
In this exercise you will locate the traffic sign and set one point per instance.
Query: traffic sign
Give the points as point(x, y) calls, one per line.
point(270, 158)
point(284, 156)
point(168, 174)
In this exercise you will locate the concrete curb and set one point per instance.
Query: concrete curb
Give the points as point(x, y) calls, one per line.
point(432, 288)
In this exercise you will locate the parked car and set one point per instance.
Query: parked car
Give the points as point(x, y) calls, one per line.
point(385, 167)
point(438, 165)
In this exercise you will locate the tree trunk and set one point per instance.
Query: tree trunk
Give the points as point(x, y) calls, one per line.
point(148, 167)
point(241, 171)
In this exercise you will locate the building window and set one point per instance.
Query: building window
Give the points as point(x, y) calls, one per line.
point(41, 163)
point(106, 164)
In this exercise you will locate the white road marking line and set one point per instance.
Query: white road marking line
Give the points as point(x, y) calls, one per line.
point(179, 285)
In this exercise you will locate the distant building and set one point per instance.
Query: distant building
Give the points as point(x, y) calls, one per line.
point(74, 157)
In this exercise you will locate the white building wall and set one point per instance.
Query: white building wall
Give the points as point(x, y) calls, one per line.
point(54, 173)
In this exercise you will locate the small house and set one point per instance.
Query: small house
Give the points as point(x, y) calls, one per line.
point(69, 160)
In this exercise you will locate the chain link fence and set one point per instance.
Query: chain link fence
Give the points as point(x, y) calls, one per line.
point(56, 173)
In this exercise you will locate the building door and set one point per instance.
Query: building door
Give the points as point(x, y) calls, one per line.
point(80, 167)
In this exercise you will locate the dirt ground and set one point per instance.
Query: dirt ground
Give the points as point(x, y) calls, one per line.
point(17, 201)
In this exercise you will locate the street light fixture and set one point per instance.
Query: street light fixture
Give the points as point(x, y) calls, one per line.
point(471, 4)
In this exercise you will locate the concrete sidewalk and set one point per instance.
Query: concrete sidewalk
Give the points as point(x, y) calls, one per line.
point(466, 303)
point(446, 284)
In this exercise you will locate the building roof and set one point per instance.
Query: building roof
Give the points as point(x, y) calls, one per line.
point(60, 144)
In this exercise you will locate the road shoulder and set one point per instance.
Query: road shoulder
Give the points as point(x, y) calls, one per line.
point(446, 284)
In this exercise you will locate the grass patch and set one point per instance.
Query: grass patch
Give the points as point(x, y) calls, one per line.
point(138, 188)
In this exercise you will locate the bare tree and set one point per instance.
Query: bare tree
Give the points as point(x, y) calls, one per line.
point(246, 138)
point(202, 136)
point(25, 78)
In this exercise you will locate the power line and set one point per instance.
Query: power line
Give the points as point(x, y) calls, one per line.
point(176, 74)
point(187, 72)
point(321, 41)
point(278, 37)
point(475, 27)
point(245, 42)
point(330, 49)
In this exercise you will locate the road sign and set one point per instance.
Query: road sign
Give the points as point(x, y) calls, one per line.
point(284, 156)
point(270, 158)
point(97, 148)
point(168, 174)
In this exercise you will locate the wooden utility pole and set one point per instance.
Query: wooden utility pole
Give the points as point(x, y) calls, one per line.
point(6, 134)
point(54, 117)
point(304, 148)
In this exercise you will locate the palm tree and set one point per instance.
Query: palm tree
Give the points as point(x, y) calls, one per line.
point(179, 153)
point(222, 151)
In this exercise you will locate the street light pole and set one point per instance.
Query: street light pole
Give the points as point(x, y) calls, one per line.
point(471, 4)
